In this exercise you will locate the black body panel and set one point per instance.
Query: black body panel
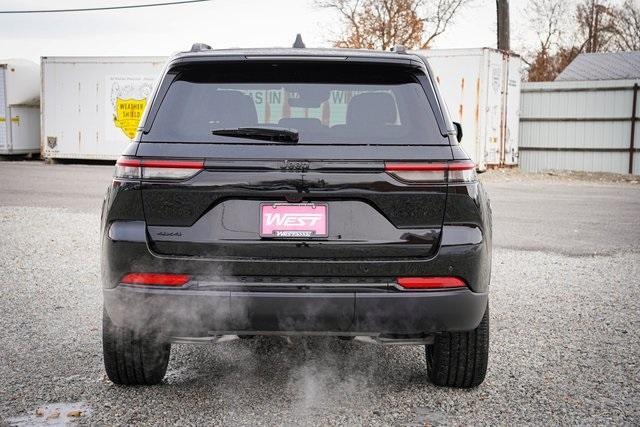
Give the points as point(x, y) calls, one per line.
point(183, 203)
point(230, 230)
point(201, 313)
point(467, 261)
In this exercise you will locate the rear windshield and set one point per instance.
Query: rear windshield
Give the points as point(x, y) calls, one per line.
point(326, 103)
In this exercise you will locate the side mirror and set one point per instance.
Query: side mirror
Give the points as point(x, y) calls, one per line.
point(458, 131)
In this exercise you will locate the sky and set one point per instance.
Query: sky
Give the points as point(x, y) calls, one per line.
point(219, 23)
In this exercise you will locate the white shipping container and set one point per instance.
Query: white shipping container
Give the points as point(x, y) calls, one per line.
point(19, 107)
point(482, 90)
point(91, 106)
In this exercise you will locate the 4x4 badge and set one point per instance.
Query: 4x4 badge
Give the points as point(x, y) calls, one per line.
point(295, 166)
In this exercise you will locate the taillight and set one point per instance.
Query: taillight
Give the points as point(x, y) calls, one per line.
point(461, 171)
point(430, 282)
point(128, 168)
point(155, 279)
point(157, 169)
point(457, 171)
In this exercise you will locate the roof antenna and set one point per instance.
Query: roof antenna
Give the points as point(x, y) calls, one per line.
point(197, 47)
point(298, 44)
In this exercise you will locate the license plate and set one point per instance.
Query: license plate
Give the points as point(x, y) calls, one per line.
point(289, 220)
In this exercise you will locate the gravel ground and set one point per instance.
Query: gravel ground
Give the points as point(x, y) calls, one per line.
point(565, 345)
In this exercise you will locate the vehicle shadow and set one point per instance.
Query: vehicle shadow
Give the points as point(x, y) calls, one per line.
point(285, 362)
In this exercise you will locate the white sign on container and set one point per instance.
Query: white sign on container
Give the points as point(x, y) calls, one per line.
point(128, 96)
point(91, 106)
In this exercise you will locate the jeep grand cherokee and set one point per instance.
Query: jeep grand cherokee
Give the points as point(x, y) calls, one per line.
point(296, 192)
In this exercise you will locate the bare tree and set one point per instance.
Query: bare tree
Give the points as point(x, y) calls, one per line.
point(627, 34)
point(597, 25)
point(438, 14)
point(549, 20)
point(380, 24)
point(546, 66)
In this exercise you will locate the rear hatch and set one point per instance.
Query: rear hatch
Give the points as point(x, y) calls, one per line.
point(327, 179)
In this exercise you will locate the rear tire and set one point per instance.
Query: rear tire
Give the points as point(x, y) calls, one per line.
point(459, 359)
point(133, 358)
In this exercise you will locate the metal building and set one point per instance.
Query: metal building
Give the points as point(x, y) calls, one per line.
point(586, 125)
point(602, 66)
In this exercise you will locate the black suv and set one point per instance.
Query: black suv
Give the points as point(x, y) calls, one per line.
point(296, 192)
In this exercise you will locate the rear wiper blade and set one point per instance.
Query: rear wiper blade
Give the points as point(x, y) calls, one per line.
point(268, 134)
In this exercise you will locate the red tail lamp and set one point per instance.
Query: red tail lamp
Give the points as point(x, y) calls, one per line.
point(430, 282)
point(455, 171)
point(155, 279)
point(136, 168)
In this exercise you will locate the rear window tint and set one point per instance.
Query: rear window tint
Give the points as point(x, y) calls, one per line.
point(327, 103)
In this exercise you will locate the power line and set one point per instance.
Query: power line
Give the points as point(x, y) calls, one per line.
point(133, 6)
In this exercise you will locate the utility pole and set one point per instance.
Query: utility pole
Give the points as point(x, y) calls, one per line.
point(502, 8)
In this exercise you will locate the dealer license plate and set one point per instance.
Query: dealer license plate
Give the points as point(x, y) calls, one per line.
point(293, 220)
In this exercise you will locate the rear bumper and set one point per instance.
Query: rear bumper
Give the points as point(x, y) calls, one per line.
point(458, 257)
point(196, 312)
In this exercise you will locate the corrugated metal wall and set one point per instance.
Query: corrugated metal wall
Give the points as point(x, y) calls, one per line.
point(578, 126)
